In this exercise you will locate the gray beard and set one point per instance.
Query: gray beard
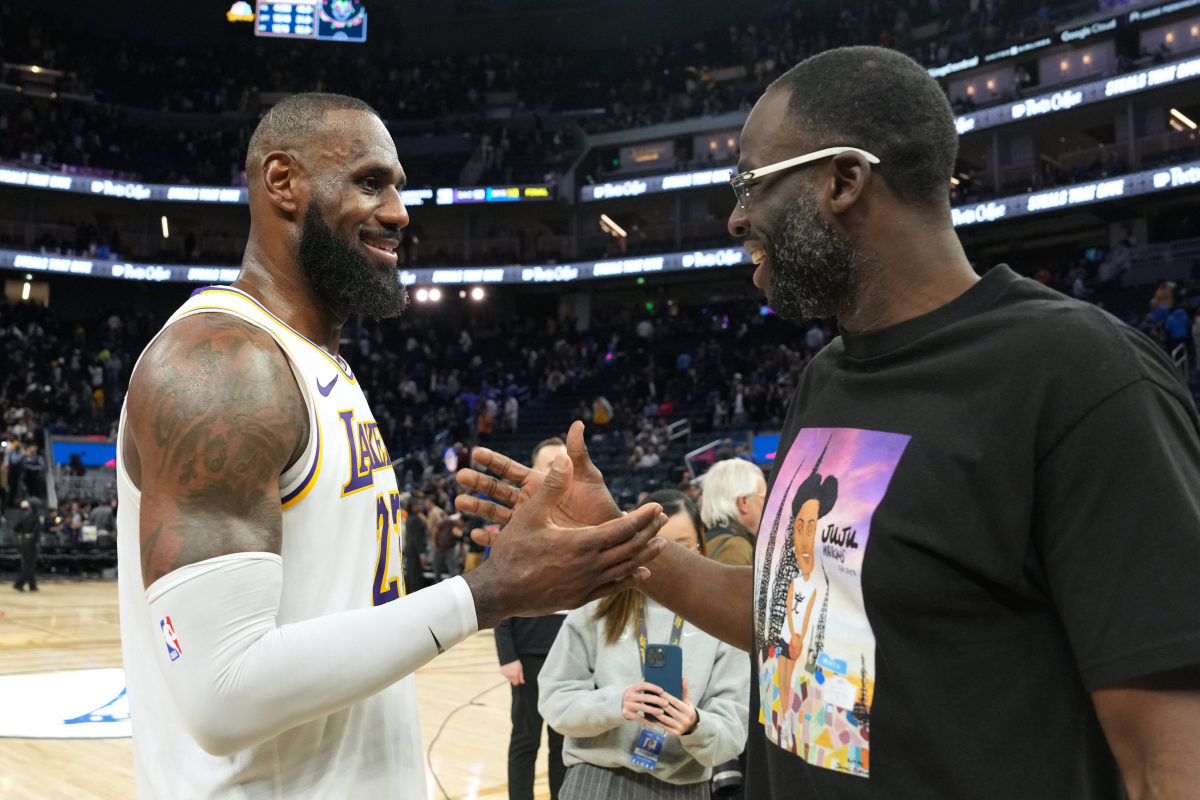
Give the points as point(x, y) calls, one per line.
point(813, 269)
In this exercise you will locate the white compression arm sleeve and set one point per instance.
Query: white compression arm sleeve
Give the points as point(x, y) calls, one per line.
point(238, 679)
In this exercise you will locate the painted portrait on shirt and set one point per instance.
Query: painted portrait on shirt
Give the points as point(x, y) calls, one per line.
point(814, 643)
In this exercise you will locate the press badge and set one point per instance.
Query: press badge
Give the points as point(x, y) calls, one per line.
point(647, 748)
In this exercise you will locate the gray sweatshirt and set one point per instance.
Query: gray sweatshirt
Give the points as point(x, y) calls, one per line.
point(584, 678)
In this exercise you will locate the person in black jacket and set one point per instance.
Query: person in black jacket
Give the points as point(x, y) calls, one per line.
point(522, 644)
point(416, 539)
point(28, 529)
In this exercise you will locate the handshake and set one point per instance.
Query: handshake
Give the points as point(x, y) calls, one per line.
point(563, 543)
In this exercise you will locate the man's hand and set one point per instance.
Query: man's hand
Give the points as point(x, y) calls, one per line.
point(538, 567)
point(586, 500)
point(514, 672)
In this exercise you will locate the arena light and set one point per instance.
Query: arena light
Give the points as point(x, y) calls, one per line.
point(1179, 115)
point(608, 226)
point(166, 229)
point(477, 293)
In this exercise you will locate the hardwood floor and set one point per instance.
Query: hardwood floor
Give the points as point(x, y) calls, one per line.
point(74, 625)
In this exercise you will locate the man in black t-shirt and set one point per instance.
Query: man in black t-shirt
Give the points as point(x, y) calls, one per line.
point(999, 600)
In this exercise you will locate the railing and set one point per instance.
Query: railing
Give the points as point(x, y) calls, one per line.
point(1180, 357)
point(1165, 261)
point(680, 429)
point(99, 484)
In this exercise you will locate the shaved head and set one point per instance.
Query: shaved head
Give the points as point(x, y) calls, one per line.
point(293, 121)
point(885, 103)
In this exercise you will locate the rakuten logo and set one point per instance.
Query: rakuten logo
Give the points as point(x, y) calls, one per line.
point(714, 258)
point(1059, 101)
point(984, 212)
point(1177, 176)
point(135, 272)
point(133, 191)
point(549, 274)
point(626, 189)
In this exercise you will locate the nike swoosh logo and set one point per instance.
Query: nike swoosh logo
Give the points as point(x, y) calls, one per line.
point(435, 640)
point(327, 388)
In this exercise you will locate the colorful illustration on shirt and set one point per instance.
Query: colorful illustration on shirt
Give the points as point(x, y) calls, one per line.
point(816, 649)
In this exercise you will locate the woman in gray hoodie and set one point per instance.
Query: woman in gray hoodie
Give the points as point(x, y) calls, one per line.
point(592, 691)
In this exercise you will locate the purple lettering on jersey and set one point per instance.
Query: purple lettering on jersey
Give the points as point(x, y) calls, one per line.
point(359, 478)
point(367, 452)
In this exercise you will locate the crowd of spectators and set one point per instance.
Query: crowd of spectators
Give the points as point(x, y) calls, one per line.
point(541, 92)
point(440, 383)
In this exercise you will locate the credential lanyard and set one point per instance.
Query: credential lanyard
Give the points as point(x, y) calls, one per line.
point(676, 630)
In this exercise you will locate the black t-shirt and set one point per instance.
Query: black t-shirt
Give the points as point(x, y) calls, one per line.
point(976, 517)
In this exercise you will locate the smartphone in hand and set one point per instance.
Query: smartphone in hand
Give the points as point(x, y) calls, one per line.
point(664, 668)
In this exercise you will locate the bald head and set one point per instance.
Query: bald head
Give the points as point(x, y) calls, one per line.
point(293, 122)
point(883, 102)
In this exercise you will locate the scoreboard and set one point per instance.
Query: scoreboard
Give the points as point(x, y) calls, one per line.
point(322, 20)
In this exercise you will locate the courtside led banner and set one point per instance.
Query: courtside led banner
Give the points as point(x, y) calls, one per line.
point(233, 195)
point(550, 273)
point(1151, 181)
point(1084, 94)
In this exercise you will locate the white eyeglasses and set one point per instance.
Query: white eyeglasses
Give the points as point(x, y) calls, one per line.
point(742, 182)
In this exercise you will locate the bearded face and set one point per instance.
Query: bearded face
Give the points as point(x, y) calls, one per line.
point(814, 273)
point(342, 276)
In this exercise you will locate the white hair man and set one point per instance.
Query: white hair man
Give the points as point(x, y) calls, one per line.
point(731, 508)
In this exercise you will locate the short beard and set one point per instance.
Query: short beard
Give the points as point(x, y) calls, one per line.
point(813, 269)
point(341, 277)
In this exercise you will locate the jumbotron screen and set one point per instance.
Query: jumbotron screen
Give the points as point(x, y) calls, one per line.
point(325, 20)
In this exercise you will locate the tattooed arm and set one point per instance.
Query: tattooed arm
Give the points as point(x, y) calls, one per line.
point(214, 418)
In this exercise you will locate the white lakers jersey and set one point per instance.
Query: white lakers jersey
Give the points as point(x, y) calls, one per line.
point(342, 532)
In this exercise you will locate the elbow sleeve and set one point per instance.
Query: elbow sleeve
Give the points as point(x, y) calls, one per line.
point(238, 678)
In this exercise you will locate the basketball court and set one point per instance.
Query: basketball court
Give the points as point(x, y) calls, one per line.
point(64, 720)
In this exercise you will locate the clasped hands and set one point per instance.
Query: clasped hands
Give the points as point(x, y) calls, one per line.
point(564, 541)
point(676, 715)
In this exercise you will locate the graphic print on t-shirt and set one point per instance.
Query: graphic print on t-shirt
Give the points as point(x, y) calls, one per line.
point(815, 646)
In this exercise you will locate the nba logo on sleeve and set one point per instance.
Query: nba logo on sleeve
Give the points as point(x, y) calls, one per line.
point(169, 637)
